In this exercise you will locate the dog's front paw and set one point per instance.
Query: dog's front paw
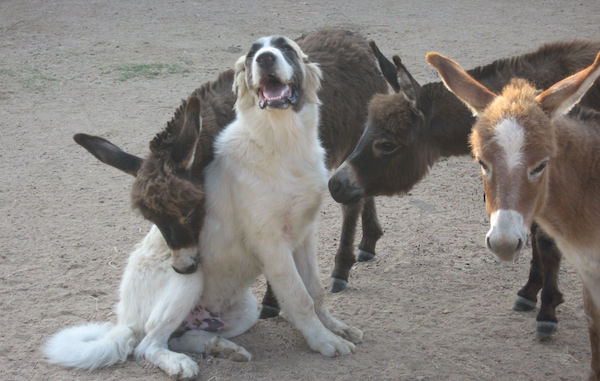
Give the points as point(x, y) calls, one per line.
point(331, 345)
point(342, 329)
point(352, 334)
point(178, 365)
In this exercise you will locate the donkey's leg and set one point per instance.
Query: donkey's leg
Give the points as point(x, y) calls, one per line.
point(593, 315)
point(527, 296)
point(171, 304)
point(305, 258)
point(270, 306)
point(210, 344)
point(371, 230)
point(551, 296)
point(344, 258)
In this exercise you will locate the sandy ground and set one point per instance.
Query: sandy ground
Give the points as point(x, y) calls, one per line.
point(434, 304)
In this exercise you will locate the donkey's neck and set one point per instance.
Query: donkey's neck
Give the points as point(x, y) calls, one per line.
point(448, 120)
point(572, 207)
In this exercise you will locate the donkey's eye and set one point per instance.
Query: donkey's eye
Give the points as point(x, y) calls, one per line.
point(483, 166)
point(190, 216)
point(385, 147)
point(539, 169)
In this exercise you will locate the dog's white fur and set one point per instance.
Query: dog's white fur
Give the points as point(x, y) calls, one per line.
point(263, 193)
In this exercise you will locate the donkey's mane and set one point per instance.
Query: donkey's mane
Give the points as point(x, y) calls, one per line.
point(556, 56)
point(585, 114)
point(209, 95)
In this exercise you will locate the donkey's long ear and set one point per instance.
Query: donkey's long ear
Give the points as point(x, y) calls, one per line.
point(466, 88)
point(409, 87)
point(563, 95)
point(109, 153)
point(389, 71)
point(397, 76)
point(184, 148)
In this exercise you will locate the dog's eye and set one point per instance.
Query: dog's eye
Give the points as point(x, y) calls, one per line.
point(287, 49)
point(253, 49)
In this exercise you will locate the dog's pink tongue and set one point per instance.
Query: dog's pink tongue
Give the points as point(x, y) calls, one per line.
point(275, 92)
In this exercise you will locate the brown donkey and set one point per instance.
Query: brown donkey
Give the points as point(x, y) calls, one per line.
point(539, 164)
point(407, 132)
point(165, 190)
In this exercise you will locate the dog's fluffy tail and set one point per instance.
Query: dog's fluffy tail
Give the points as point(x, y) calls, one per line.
point(90, 346)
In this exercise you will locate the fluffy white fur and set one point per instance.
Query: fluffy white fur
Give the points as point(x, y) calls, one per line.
point(263, 193)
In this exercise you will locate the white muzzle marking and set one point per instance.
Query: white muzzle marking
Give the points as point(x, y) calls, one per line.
point(507, 234)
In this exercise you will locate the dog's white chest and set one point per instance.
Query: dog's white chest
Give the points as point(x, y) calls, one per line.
point(277, 179)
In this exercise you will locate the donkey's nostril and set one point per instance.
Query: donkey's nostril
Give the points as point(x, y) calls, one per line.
point(519, 245)
point(334, 185)
point(488, 243)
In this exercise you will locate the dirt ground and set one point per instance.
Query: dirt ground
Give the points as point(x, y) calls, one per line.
point(433, 305)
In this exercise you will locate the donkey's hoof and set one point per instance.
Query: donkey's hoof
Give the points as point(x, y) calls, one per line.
point(545, 329)
point(364, 256)
point(337, 285)
point(267, 312)
point(523, 304)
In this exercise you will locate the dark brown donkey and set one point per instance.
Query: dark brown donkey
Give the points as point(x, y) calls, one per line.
point(409, 131)
point(350, 78)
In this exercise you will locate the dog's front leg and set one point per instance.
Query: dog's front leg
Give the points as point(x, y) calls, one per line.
point(305, 258)
point(296, 302)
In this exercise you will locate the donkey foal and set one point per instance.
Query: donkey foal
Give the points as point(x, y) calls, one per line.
point(538, 164)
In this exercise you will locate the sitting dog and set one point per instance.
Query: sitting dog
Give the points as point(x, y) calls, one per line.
point(262, 194)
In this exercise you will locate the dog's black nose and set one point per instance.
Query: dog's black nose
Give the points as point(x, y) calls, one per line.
point(266, 60)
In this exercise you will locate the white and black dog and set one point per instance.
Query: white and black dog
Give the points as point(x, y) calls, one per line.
point(263, 191)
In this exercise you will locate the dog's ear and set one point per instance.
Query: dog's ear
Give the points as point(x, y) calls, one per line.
point(312, 78)
point(240, 85)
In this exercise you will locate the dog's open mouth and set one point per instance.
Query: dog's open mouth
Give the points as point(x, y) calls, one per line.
point(273, 93)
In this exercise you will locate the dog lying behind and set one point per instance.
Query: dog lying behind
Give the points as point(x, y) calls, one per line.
point(262, 195)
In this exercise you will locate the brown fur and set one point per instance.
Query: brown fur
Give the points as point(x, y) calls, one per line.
point(446, 122)
point(349, 76)
point(563, 194)
point(439, 125)
point(158, 188)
